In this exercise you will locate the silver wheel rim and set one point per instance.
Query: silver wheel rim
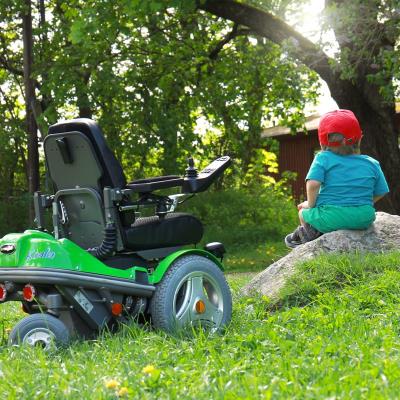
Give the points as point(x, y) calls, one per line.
point(40, 337)
point(198, 288)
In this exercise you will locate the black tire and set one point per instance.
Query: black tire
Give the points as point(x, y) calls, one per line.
point(39, 330)
point(190, 281)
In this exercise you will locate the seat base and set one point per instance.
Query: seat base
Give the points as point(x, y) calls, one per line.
point(175, 229)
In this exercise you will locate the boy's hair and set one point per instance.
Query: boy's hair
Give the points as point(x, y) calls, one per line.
point(340, 132)
point(341, 149)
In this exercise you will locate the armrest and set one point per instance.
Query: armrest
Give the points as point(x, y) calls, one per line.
point(189, 184)
point(207, 176)
point(159, 182)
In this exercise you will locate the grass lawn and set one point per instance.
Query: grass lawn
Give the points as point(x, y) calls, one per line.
point(254, 259)
point(333, 334)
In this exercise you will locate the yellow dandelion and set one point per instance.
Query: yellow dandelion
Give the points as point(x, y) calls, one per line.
point(149, 369)
point(122, 392)
point(111, 384)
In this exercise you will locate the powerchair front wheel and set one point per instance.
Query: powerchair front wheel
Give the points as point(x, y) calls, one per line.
point(193, 293)
point(42, 330)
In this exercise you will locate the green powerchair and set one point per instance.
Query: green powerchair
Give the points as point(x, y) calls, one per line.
point(104, 264)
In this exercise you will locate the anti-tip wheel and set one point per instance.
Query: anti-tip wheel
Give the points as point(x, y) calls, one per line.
point(193, 293)
point(42, 330)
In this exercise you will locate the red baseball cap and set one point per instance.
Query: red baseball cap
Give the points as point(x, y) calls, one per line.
point(339, 121)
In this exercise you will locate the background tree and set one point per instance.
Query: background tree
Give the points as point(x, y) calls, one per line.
point(360, 78)
point(148, 74)
point(30, 100)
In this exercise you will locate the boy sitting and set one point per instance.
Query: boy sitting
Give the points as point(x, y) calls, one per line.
point(342, 185)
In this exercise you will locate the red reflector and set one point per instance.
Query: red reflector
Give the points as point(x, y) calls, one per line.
point(116, 309)
point(28, 292)
point(3, 292)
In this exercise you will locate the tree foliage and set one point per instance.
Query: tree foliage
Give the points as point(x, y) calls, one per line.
point(168, 79)
point(363, 75)
point(148, 74)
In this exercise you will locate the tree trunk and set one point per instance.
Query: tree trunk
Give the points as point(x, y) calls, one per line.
point(376, 116)
point(380, 137)
point(31, 127)
point(83, 102)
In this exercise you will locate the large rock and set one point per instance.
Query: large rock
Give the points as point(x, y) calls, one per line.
point(383, 235)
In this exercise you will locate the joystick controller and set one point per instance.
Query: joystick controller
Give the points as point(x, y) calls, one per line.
point(191, 171)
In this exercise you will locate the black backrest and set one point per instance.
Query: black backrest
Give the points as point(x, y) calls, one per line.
point(72, 162)
point(80, 166)
point(111, 170)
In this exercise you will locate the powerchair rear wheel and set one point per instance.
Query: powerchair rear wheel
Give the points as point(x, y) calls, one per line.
point(41, 330)
point(193, 293)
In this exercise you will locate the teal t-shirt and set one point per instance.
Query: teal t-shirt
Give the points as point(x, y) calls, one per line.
point(350, 180)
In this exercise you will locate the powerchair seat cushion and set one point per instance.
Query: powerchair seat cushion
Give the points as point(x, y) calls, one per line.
point(175, 229)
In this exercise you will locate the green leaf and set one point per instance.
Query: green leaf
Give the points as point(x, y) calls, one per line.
point(76, 34)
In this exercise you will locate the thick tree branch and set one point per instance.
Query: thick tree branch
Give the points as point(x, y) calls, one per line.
point(6, 63)
point(267, 25)
point(213, 55)
point(9, 104)
point(216, 50)
point(9, 67)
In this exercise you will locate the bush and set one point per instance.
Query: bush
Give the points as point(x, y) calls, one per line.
point(244, 217)
point(251, 223)
point(14, 214)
